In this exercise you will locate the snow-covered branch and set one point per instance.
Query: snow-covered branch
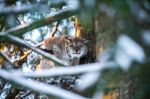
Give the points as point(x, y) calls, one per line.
point(38, 86)
point(57, 71)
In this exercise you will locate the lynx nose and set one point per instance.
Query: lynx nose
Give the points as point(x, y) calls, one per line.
point(77, 50)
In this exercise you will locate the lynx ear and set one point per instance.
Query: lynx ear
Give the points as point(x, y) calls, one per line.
point(67, 41)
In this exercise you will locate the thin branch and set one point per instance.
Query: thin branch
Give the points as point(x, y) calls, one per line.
point(38, 86)
point(57, 71)
point(21, 29)
point(54, 30)
point(24, 95)
point(23, 57)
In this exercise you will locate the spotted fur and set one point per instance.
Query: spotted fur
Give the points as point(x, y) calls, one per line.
point(67, 48)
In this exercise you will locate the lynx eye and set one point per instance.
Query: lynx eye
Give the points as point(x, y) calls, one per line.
point(71, 46)
point(80, 46)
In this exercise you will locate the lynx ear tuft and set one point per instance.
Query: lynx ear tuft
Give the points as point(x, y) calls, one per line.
point(67, 41)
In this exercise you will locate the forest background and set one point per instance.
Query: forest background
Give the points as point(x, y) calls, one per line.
point(118, 59)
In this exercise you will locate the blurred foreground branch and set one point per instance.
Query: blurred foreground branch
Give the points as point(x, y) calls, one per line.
point(93, 67)
point(52, 90)
point(38, 87)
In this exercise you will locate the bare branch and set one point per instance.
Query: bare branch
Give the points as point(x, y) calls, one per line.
point(38, 86)
point(23, 57)
point(54, 30)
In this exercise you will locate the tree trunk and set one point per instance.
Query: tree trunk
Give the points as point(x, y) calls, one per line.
point(85, 29)
point(85, 25)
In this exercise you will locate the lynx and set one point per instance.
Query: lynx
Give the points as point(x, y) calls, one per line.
point(67, 48)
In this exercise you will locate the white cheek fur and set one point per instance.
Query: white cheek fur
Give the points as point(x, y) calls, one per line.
point(73, 55)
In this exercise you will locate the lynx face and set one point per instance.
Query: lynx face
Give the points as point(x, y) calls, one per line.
point(76, 47)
